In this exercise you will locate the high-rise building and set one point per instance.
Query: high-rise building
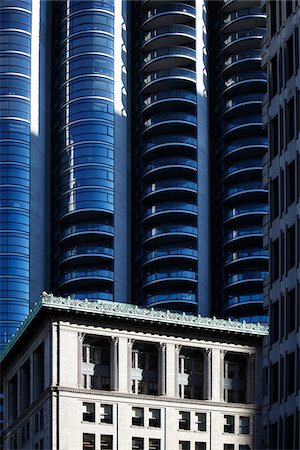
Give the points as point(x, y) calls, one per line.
point(238, 145)
point(105, 140)
point(281, 115)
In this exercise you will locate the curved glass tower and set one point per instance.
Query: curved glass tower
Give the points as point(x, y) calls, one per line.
point(166, 160)
point(15, 70)
point(83, 158)
point(239, 144)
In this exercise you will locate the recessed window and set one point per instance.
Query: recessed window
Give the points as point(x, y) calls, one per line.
point(88, 414)
point(201, 421)
point(154, 444)
point(289, 52)
point(290, 120)
point(274, 321)
point(138, 417)
point(184, 445)
point(184, 420)
point(291, 183)
point(273, 76)
point(274, 260)
point(244, 447)
point(291, 311)
point(244, 425)
point(88, 441)
point(274, 382)
point(106, 414)
point(290, 373)
point(228, 424)
point(137, 443)
point(273, 20)
point(274, 194)
point(106, 442)
point(200, 445)
point(154, 418)
point(291, 251)
point(228, 447)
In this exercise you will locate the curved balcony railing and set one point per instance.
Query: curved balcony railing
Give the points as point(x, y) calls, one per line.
point(255, 208)
point(169, 229)
point(247, 143)
point(170, 206)
point(256, 32)
point(186, 274)
point(247, 186)
point(255, 319)
point(86, 228)
point(251, 163)
point(242, 13)
point(91, 296)
point(87, 250)
point(170, 252)
point(170, 184)
point(169, 9)
point(171, 139)
point(78, 274)
point(171, 161)
point(169, 73)
point(185, 30)
point(241, 254)
point(243, 120)
point(243, 232)
point(170, 95)
point(256, 275)
point(245, 98)
point(173, 51)
point(170, 117)
point(237, 299)
point(246, 76)
point(172, 297)
point(242, 56)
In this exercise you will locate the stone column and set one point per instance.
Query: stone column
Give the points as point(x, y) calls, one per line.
point(177, 353)
point(250, 381)
point(31, 378)
point(130, 343)
point(162, 368)
point(80, 342)
point(170, 370)
point(207, 374)
point(114, 363)
point(222, 374)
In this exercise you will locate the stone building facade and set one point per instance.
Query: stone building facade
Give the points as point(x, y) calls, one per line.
point(86, 376)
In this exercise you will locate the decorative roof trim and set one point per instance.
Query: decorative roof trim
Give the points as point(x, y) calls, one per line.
point(127, 311)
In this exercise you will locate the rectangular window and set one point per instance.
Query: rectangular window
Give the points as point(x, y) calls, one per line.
point(281, 378)
point(282, 317)
point(289, 433)
point(273, 435)
point(184, 420)
point(138, 417)
point(106, 413)
point(274, 382)
point(291, 183)
point(273, 16)
point(154, 418)
point(274, 321)
point(289, 58)
point(273, 76)
point(274, 260)
point(282, 255)
point(94, 355)
point(154, 444)
point(274, 148)
point(291, 311)
point(88, 441)
point(200, 445)
point(244, 425)
point(274, 194)
point(106, 442)
point(228, 424)
point(201, 421)
point(290, 120)
point(105, 383)
point(244, 447)
point(228, 447)
point(288, 7)
point(88, 414)
point(137, 443)
point(290, 373)
point(290, 251)
point(184, 445)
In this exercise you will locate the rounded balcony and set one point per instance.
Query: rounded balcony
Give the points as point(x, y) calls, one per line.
point(257, 257)
point(248, 191)
point(169, 166)
point(166, 210)
point(249, 168)
point(168, 233)
point(86, 277)
point(175, 142)
point(242, 104)
point(244, 83)
point(170, 300)
point(169, 187)
point(173, 56)
point(168, 36)
point(230, 5)
point(255, 145)
point(174, 78)
point(243, 236)
point(169, 276)
point(244, 18)
point(165, 123)
point(169, 99)
point(235, 301)
point(243, 40)
point(165, 14)
point(249, 60)
point(95, 296)
point(241, 126)
point(245, 212)
point(85, 254)
point(238, 280)
point(170, 254)
point(82, 232)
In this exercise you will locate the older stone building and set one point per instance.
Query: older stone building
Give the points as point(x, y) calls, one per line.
point(86, 376)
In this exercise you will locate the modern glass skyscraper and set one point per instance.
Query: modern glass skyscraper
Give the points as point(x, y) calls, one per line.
point(105, 140)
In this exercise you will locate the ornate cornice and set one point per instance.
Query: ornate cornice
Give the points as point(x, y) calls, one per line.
point(126, 311)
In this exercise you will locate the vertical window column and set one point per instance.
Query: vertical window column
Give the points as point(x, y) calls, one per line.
point(207, 374)
point(222, 373)
point(162, 368)
point(177, 353)
point(114, 363)
point(250, 380)
point(80, 342)
point(130, 343)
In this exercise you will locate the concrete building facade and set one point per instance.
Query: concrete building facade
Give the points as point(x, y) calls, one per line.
point(281, 115)
point(84, 375)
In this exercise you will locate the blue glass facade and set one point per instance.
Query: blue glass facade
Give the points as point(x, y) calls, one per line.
point(83, 153)
point(15, 67)
point(239, 144)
